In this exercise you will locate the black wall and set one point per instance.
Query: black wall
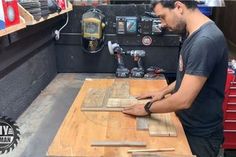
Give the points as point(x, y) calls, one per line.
point(27, 65)
point(70, 57)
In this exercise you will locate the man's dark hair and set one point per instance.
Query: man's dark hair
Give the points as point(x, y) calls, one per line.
point(191, 4)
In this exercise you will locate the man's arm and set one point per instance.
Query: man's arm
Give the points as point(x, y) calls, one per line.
point(168, 89)
point(160, 94)
point(182, 99)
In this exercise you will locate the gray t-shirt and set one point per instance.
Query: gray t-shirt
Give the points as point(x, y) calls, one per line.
point(204, 53)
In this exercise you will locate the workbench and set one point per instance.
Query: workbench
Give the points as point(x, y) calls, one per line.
point(79, 129)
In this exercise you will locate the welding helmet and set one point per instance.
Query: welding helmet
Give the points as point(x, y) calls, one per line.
point(93, 31)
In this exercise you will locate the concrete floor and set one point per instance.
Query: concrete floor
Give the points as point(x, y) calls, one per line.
point(40, 122)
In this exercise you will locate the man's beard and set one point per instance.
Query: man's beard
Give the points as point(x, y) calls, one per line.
point(180, 27)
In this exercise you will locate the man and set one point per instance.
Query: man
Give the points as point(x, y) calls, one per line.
point(198, 92)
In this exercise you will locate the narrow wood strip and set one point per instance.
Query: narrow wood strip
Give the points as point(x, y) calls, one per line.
point(152, 154)
point(119, 143)
point(102, 109)
point(152, 150)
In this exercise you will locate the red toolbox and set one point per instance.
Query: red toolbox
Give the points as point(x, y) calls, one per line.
point(229, 108)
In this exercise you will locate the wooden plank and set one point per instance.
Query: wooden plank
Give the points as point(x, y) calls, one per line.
point(161, 125)
point(94, 98)
point(96, 109)
point(157, 126)
point(119, 143)
point(170, 126)
point(152, 150)
point(124, 102)
point(142, 123)
point(120, 89)
point(151, 154)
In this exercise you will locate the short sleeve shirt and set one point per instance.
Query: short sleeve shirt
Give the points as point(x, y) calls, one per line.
point(204, 53)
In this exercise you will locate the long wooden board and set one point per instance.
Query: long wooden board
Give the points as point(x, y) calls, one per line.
point(119, 143)
point(148, 154)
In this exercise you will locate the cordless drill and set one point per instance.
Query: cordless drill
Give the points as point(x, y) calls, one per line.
point(115, 49)
point(138, 71)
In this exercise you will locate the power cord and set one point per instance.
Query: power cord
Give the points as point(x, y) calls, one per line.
point(57, 32)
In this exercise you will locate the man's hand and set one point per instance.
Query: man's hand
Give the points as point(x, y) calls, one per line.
point(153, 95)
point(136, 110)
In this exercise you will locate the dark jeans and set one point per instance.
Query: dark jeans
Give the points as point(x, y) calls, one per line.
point(205, 146)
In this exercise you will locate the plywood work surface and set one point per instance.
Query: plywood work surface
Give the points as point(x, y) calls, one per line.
point(79, 129)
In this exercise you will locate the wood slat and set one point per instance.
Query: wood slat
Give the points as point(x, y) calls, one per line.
point(120, 89)
point(151, 154)
point(142, 123)
point(94, 98)
point(152, 150)
point(161, 125)
point(119, 143)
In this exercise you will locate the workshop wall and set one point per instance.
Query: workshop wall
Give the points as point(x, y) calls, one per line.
point(70, 58)
point(27, 65)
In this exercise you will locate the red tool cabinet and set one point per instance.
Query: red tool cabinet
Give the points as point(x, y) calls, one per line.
point(229, 108)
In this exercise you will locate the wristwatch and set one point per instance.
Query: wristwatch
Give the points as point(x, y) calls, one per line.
point(147, 107)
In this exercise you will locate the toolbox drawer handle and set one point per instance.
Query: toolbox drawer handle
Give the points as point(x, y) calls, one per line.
point(229, 130)
point(231, 96)
point(233, 82)
point(232, 88)
point(231, 111)
point(230, 121)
